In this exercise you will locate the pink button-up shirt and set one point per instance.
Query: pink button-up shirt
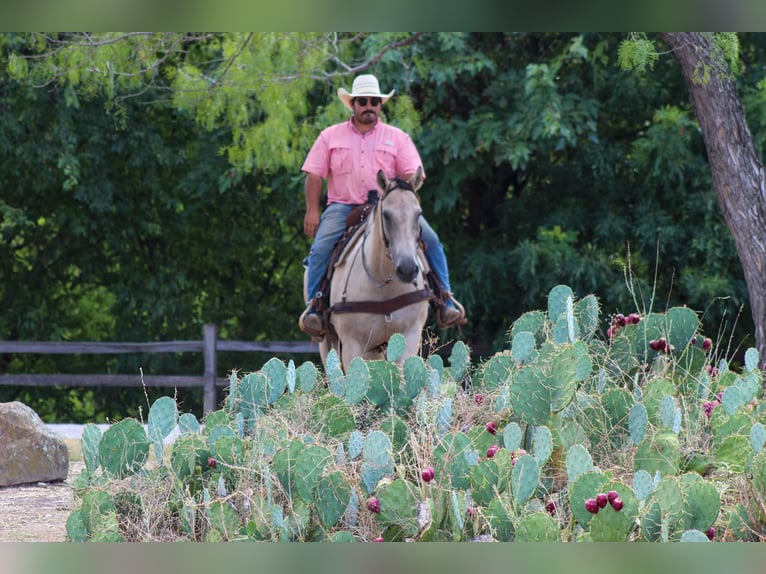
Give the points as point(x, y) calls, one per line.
point(350, 160)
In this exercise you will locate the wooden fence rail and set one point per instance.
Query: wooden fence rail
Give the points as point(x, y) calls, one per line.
point(209, 346)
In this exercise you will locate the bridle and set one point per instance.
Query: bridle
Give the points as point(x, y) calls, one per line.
point(395, 183)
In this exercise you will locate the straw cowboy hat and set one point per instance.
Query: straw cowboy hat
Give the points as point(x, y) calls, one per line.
point(364, 85)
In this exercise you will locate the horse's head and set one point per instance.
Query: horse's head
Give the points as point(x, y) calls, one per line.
point(400, 219)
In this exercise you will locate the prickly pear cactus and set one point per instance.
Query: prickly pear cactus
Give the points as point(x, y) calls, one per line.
point(377, 459)
point(357, 382)
point(332, 497)
point(91, 437)
point(530, 396)
point(524, 478)
point(538, 527)
point(124, 448)
point(398, 511)
point(163, 417)
point(460, 361)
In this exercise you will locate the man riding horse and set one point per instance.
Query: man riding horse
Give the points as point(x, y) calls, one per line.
point(349, 155)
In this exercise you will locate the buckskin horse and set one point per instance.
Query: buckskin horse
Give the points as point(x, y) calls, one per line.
point(378, 285)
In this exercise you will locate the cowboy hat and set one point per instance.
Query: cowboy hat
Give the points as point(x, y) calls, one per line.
point(364, 85)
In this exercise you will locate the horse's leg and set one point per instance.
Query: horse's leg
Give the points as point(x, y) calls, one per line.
point(412, 346)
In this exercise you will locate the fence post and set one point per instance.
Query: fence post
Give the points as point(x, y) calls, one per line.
point(209, 338)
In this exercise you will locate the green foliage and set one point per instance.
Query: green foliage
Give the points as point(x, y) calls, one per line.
point(637, 52)
point(553, 158)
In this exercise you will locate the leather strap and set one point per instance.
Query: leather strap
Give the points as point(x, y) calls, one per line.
point(382, 307)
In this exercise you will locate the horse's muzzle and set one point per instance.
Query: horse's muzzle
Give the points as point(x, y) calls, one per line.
point(407, 271)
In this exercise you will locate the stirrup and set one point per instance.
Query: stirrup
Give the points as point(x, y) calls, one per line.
point(460, 319)
point(312, 329)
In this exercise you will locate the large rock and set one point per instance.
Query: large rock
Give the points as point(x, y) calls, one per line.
point(29, 451)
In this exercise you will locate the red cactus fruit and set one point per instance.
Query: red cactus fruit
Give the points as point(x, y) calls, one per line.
point(373, 505)
point(617, 504)
point(611, 495)
point(478, 398)
point(379, 539)
point(427, 474)
point(211, 462)
point(601, 500)
point(551, 507)
point(492, 451)
point(706, 344)
point(710, 533)
point(591, 506)
point(491, 427)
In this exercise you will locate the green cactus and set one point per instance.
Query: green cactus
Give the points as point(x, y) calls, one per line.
point(530, 322)
point(332, 417)
point(701, 504)
point(124, 448)
point(284, 464)
point(538, 527)
point(395, 348)
point(559, 298)
point(384, 383)
point(355, 442)
point(585, 486)
point(334, 372)
point(524, 478)
point(225, 523)
point(357, 382)
point(496, 372)
point(610, 525)
point(306, 376)
point(444, 419)
point(415, 375)
point(512, 436)
point(163, 417)
point(523, 348)
point(398, 511)
point(530, 396)
point(460, 361)
point(188, 423)
point(662, 453)
point(587, 313)
point(638, 421)
point(377, 459)
point(309, 468)
point(91, 437)
point(578, 462)
point(483, 479)
point(332, 498)
point(501, 524)
point(542, 444)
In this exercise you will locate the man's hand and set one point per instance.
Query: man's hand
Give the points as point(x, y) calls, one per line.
point(311, 223)
point(313, 195)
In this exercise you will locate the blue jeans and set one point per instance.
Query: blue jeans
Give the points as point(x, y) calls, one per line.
point(332, 225)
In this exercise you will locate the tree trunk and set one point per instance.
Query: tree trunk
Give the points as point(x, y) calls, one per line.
point(738, 175)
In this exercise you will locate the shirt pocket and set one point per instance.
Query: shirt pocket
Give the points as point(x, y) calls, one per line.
point(340, 160)
point(385, 159)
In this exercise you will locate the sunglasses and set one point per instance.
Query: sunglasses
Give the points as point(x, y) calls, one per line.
point(374, 102)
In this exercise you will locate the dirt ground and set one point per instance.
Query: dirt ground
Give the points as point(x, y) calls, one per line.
point(37, 512)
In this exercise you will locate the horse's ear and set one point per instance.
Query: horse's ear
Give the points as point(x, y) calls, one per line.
point(382, 181)
point(417, 180)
